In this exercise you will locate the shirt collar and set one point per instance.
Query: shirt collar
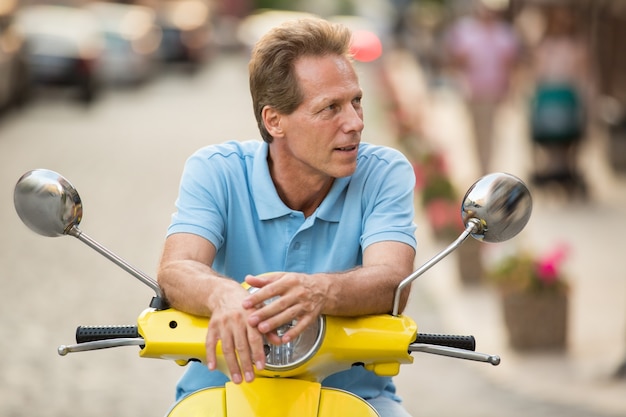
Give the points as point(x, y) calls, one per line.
point(270, 206)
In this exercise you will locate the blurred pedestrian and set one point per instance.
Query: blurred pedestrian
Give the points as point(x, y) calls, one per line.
point(400, 27)
point(561, 91)
point(483, 49)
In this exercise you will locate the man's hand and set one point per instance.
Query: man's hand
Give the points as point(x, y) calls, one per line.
point(192, 286)
point(242, 344)
point(301, 298)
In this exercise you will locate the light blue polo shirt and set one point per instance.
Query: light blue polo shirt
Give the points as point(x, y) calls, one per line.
point(227, 196)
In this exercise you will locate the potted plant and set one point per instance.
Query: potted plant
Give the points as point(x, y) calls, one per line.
point(534, 299)
point(438, 196)
point(441, 204)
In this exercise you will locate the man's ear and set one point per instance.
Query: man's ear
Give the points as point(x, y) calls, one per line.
point(271, 120)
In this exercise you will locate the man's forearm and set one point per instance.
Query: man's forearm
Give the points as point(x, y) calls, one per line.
point(365, 290)
point(188, 286)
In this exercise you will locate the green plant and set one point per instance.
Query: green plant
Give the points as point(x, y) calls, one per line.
point(438, 187)
point(525, 272)
point(438, 195)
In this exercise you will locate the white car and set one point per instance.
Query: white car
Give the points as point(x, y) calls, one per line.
point(132, 38)
point(254, 26)
point(187, 30)
point(14, 81)
point(64, 46)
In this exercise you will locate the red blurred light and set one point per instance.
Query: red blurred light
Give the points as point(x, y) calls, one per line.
point(365, 46)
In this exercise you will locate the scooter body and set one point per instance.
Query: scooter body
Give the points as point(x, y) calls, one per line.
point(376, 342)
point(272, 397)
point(495, 208)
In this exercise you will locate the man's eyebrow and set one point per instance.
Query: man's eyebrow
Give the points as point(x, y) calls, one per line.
point(335, 99)
point(323, 101)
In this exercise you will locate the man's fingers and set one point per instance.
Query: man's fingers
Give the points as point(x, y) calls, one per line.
point(260, 281)
point(211, 343)
point(241, 350)
point(257, 349)
point(269, 327)
point(264, 292)
point(230, 356)
point(271, 318)
point(250, 349)
point(295, 331)
point(273, 338)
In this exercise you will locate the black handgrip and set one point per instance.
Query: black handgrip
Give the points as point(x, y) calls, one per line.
point(455, 341)
point(92, 333)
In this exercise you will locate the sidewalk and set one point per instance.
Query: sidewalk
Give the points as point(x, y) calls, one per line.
point(581, 378)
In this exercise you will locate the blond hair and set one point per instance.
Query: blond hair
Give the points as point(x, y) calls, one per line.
point(273, 81)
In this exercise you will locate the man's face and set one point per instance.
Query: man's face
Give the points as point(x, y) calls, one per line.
point(322, 135)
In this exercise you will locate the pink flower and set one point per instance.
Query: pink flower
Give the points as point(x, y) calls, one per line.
point(440, 163)
point(420, 176)
point(442, 213)
point(548, 266)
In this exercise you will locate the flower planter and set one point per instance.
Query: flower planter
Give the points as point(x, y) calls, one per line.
point(470, 262)
point(617, 147)
point(536, 320)
point(444, 219)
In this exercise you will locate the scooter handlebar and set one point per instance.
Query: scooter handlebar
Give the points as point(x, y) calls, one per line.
point(86, 334)
point(455, 341)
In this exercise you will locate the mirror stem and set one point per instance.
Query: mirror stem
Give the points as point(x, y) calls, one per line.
point(77, 233)
point(473, 226)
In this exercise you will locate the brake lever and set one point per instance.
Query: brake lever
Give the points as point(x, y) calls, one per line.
point(100, 344)
point(455, 353)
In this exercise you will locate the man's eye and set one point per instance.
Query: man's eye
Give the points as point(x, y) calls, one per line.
point(357, 101)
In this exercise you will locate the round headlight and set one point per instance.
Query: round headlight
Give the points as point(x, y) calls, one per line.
point(296, 352)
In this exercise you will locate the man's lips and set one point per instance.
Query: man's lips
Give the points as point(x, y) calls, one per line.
point(347, 148)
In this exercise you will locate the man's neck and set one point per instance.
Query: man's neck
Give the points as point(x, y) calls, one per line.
point(300, 192)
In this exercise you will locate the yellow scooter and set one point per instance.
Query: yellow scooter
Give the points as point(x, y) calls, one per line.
point(494, 209)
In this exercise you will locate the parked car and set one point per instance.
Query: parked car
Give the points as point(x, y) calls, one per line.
point(187, 30)
point(132, 38)
point(14, 83)
point(254, 26)
point(64, 46)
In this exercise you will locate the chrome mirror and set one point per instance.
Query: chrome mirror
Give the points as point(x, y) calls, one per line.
point(50, 205)
point(500, 205)
point(494, 209)
point(47, 203)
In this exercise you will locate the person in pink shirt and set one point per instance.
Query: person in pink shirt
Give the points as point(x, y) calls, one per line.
point(483, 49)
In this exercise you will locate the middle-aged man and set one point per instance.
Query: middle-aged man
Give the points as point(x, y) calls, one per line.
point(312, 200)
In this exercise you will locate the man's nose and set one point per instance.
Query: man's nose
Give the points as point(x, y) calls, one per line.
point(353, 120)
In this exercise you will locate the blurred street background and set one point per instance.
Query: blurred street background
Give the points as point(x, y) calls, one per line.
point(115, 97)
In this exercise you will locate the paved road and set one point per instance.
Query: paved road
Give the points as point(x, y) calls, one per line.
point(125, 155)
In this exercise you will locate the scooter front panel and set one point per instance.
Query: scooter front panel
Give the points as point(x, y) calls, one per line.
point(208, 402)
point(336, 402)
point(273, 397)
